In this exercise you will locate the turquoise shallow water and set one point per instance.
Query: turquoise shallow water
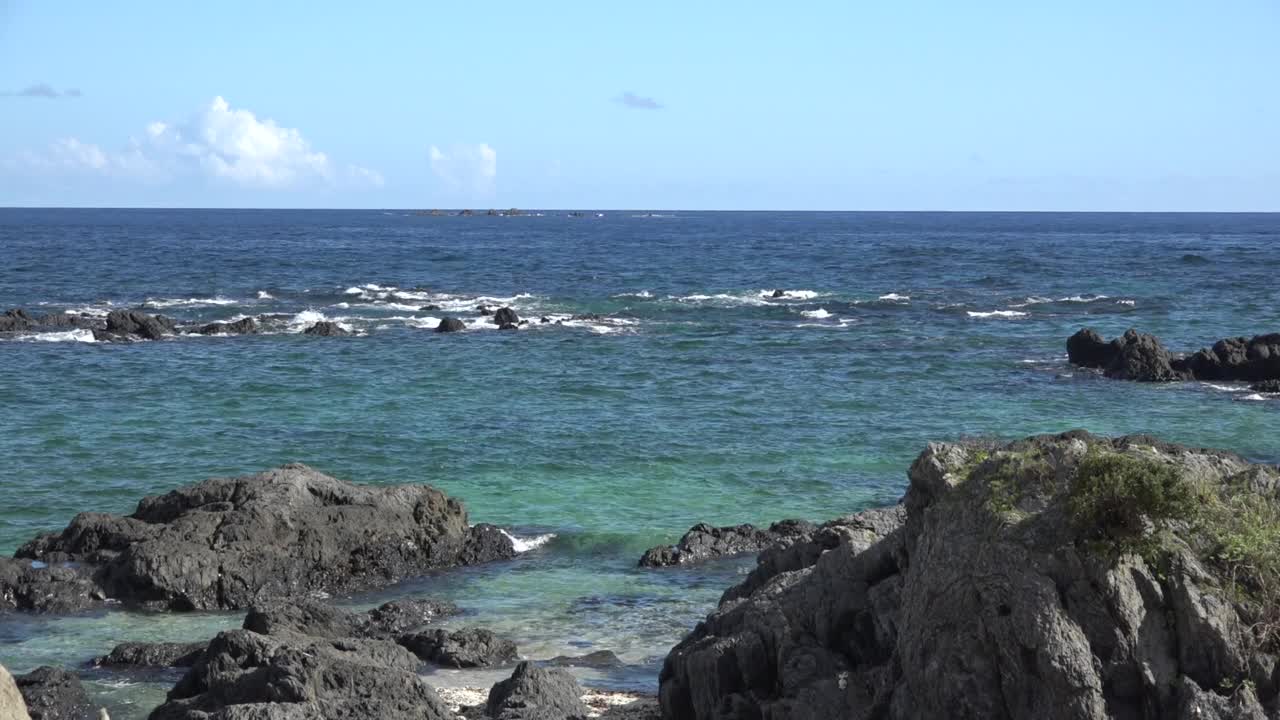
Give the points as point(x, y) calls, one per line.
point(696, 397)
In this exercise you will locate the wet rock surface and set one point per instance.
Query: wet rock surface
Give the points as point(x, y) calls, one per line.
point(1140, 356)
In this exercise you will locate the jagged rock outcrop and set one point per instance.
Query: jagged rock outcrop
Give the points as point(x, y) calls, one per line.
point(1266, 386)
point(534, 693)
point(55, 694)
point(703, 542)
point(227, 543)
point(19, 320)
point(325, 328)
point(985, 595)
point(1139, 356)
point(135, 325)
point(12, 706)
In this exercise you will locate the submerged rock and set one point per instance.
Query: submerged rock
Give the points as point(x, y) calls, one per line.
point(596, 659)
point(988, 594)
point(1139, 356)
point(703, 542)
point(12, 706)
point(227, 543)
point(534, 693)
point(451, 325)
point(465, 648)
point(55, 694)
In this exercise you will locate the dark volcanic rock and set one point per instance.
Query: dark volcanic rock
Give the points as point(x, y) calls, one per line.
point(982, 596)
point(1266, 386)
point(703, 542)
point(55, 694)
point(227, 543)
point(325, 328)
point(1135, 356)
point(15, 320)
point(465, 648)
point(1138, 356)
point(246, 326)
point(130, 324)
point(152, 655)
point(534, 693)
point(51, 589)
point(505, 316)
point(451, 325)
point(245, 675)
point(778, 294)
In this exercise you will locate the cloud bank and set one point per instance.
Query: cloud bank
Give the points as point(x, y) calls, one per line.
point(471, 168)
point(219, 143)
point(637, 102)
point(43, 90)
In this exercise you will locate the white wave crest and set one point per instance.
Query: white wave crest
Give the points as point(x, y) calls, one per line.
point(789, 294)
point(90, 310)
point(84, 336)
point(643, 294)
point(894, 297)
point(264, 295)
point(818, 314)
point(1227, 388)
point(719, 299)
point(523, 545)
point(996, 313)
point(187, 302)
point(1130, 303)
point(307, 318)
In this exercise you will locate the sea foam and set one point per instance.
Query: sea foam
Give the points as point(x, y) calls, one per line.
point(523, 545)
point(996, 313)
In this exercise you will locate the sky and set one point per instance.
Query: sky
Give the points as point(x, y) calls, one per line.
point(895, 105)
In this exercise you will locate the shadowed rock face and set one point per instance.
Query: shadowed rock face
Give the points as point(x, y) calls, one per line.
point(55, 694)
point(151, 655)
point(703, 542)
point(1139, 356)
point(465, 648)
point(226, 543)
point(981, 597)
point(306, 659)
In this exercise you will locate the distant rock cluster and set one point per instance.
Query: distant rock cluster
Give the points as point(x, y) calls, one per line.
point(1140, 356)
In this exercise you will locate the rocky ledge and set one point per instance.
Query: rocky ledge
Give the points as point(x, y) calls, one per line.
point(227, 543)
point(1067, 576)
point(1140, 356)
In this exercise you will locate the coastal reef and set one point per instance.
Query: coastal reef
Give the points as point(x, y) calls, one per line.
point(1067, 576)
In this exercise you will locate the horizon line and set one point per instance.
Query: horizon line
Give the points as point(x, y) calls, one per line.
point(481, 211)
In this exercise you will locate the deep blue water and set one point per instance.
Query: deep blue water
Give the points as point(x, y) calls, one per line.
point(696, 397)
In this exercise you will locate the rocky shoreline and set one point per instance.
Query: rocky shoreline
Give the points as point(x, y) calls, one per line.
point(1059, 576)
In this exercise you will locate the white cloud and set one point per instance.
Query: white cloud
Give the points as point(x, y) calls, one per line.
point(219, 142)
point(471, 168)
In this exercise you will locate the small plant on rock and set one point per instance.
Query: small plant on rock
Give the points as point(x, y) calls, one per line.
point(1124, 502)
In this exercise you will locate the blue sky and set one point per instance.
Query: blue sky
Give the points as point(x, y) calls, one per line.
point(811, 105)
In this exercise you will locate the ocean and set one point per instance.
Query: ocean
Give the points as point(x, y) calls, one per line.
point(668, 385)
